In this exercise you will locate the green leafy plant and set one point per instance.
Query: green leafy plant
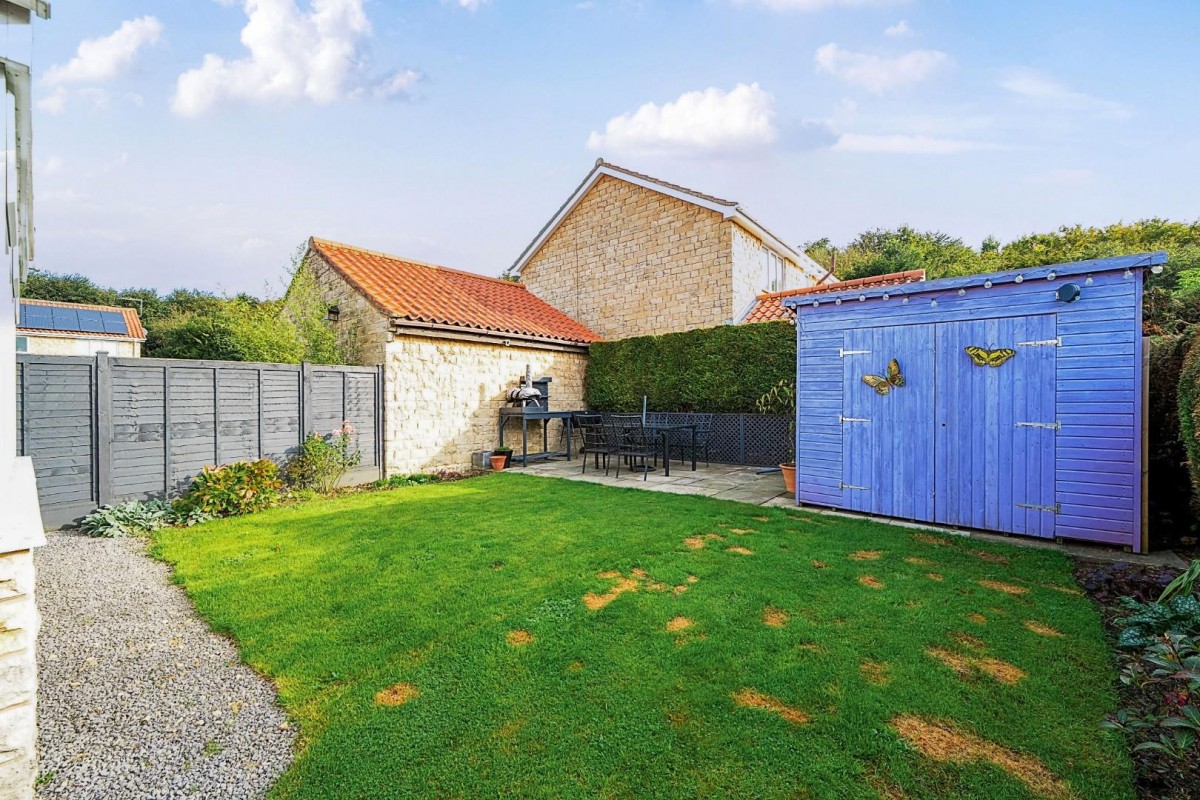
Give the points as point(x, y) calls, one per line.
point(238, 488)
point(397, 481)
point(781, 399)
point(1150, 621)
point(1168, 667)
point(1184, 583)
point(323, 461)
point(127, 519)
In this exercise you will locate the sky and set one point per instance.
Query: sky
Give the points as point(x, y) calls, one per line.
point(198, 143)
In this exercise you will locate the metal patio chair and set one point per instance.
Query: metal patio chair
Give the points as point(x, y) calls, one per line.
point(634, 442)
point(595, 442)
point(681, 441)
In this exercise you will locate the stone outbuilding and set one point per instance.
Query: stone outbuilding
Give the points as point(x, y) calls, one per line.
point(631, 255)
point(50, 328)
point(452, 344)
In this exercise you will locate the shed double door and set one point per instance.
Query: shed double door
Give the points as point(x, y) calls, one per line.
point(959, 443)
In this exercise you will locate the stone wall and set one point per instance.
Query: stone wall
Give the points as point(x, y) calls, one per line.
point(361, 329)
point(628, 261)
point(78, 346)
point(18, 676)
point(443, 398)
point(750, 271)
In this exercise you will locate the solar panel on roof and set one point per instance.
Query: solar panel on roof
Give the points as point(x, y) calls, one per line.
point(90, 321)
point(114, 322)
point(65, 319)
point(36, 317)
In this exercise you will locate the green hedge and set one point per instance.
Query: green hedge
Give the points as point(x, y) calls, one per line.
point(1170, 486)
point(1189, 413)
point(722, 369)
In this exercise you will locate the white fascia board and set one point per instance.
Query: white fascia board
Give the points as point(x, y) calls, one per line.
point(597, 172)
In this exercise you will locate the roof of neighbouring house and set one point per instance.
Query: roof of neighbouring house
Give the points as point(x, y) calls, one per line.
point(728, 209)
point(51, 317)
point(413, 290)
point(770, 306)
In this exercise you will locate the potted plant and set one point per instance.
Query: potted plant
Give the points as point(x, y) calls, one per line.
point(507, 453)
point(781, 399)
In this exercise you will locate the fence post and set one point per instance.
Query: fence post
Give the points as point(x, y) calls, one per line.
point(102, 416)
point(742, 439)
point(216, 416)
point(306, 404)
point(259, 390)
point(381, 419)
point(167, 432)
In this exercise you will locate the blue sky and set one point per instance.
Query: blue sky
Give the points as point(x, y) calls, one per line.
point(169, 153)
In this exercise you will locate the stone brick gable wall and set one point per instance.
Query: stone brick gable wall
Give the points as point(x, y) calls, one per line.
point(443, 399)
point(628, 261)
point(750, 270)
point(361, 329)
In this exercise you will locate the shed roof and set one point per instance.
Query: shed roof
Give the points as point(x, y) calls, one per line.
point(133, 323)
point(770, 306)
point(983, 279)
point(413, 290)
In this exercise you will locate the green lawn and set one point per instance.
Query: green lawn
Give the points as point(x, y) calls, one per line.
point(339, 600)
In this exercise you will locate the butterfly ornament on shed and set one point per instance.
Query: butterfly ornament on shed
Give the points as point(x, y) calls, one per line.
point(989, 358)
point(883, 385)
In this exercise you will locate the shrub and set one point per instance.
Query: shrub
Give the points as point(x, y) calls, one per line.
point(1170, 501)
point(723, 369)
point(1189, 414)
point(238, 488)
point(396, 481)
point(322, 462)
point(135, 517)
point(1150, 621)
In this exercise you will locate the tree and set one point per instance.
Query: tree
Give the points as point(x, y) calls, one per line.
point(879, 251)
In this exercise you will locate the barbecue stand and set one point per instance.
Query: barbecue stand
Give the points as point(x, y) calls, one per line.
point(536, 410)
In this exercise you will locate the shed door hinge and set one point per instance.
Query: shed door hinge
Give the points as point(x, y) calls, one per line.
point(856, 488)
point(844, 353)
point(853, 419)
point(1041, 343)
point(1051, 425)
point(1054, 509)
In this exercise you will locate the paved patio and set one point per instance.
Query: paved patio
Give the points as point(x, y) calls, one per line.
point(725, 481)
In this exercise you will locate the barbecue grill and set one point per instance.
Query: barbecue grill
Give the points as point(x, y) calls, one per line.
point(530, 402)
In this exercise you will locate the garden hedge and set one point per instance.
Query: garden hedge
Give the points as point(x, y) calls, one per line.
point(1170, 486)
point(723, 369)
point(1189, 413)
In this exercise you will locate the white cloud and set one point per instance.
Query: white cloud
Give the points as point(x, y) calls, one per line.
point(102, 59)
point(1037, 89)
point(397, 84)
point(906, 144)
point(712, 121)
point(293, 55)
point(813, 5)
point(469, 5)
point(901, 28)
point(879, 74)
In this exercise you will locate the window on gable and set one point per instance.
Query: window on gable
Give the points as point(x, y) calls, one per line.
point(774, 270)
point(22, 344)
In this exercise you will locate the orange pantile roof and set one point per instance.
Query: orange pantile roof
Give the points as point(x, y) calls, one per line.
point(412, 290)
point(132, 321)
point(770, 305)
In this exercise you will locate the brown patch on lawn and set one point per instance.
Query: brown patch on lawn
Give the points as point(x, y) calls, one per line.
point(866, 555)
point(655, 586)
point(875, 673)
point(995, 558)
point(965, 665)
point(1041, 628)
point(1063, 589)
point(1007, 588)
point(925, 538)
point(870, 581)
point(946, 743)
point(935, 576)
point(677, 718)
point(680, 589)
point(761, 519)
point(397, 695)
point(811, 647)
point(639, 573)
point(692, 579)
point(575, 666)
point(742, 531)
point(519, 638)
point(967, 640)
point(595, 602)
point(921, 562)
point(774, 617)
point(978, 619)
point(678, 624)
point(819, 564)
point(750, 698)
point(885, 787)
point(698, 541)
point(612, 573)
point(741, 551)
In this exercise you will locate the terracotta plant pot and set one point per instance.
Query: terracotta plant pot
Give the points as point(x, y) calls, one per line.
point(789, 477)
point(498, 462)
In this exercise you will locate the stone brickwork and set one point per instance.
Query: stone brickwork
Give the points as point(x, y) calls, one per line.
point(361, 329)
point(78, 346)
point(443, 398)
point(750, 271)
point(18, 676)
point(629, 261)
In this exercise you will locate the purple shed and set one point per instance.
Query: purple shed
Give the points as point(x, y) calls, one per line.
point(1009, 401)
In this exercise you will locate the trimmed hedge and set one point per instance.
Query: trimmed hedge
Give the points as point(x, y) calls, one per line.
point(723, 370)
point(1189, 413)
point(1170, 494)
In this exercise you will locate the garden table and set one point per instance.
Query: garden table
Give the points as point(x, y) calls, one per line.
point(665, 432)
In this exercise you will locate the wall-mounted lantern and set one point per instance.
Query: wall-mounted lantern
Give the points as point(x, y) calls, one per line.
point(333, 313)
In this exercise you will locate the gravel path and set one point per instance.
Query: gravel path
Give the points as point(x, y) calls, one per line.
point(138, 698)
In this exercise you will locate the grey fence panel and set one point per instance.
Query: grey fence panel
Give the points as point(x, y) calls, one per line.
point(104, 430)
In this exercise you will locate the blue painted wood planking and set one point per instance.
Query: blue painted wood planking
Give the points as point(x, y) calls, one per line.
point(1083, 479)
